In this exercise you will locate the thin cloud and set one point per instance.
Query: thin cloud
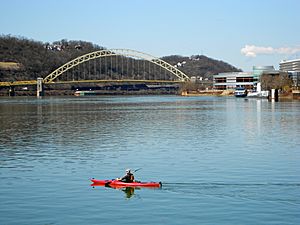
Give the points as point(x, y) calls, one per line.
point(253, 51)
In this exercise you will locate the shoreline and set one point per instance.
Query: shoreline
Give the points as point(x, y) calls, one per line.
point(219, 93)
point(208, 93)
point(286, 96)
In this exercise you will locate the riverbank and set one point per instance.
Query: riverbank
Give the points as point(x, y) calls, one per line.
point(283, 96)
point(97, 92)
point(208, 93)
point(295, 95)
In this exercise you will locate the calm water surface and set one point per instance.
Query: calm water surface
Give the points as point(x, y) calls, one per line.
point(221, 160)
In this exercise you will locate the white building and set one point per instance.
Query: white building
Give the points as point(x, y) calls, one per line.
point(292, 67)
point(247, 80)
point(232, 80)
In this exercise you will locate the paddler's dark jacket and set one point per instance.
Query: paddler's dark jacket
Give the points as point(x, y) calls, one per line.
point(128, 178)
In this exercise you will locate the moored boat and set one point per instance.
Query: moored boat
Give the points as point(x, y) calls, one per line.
point(262, 94)
point(258, 93)
point(240, 92)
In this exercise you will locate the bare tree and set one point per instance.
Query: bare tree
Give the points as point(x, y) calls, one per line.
point(276, 81)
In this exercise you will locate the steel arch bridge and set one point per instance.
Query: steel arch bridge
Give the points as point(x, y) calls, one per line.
point(179, 75)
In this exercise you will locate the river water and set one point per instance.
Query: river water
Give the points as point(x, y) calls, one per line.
point(221, 160)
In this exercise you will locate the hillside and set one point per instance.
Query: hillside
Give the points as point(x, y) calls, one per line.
point(200, 65)
point(37, 59)
point(24, 59)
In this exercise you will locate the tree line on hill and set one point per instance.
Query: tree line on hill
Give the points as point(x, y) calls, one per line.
point(37, 59)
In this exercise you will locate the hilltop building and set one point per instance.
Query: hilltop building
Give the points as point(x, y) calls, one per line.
point(292, 67)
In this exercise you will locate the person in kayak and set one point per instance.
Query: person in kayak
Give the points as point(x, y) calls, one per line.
point(128, 178)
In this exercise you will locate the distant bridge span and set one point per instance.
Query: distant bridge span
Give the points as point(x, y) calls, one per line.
point(182, 77)
point(51, 78)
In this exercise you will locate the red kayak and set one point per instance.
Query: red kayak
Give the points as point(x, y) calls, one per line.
point(117, 183)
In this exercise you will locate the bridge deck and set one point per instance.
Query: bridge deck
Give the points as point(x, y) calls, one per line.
point(34, 82)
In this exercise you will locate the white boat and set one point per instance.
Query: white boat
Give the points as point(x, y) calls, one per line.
point(258, 93)
point(262, 94)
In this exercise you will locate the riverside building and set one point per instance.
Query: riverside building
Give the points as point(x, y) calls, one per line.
point(292, 67)
point(232, 80)
point(247, 80)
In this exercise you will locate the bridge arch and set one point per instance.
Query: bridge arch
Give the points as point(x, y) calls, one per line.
point(115, 52)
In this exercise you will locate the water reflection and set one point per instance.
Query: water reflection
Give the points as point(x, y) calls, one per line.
point(129, 191)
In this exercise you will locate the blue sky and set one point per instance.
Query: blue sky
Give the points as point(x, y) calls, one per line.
point(242, 33)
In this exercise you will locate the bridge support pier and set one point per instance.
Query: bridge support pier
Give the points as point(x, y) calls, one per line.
point(11, 91)
point(39, 87)
point(273, 95)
